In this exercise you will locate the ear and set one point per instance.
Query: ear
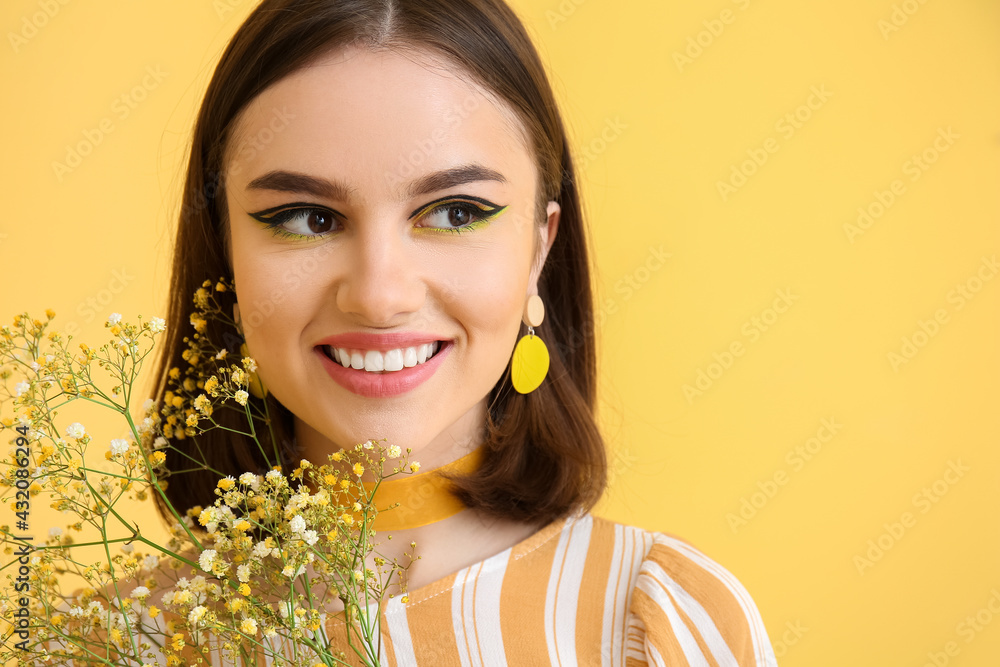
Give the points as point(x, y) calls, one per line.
point(547, 235)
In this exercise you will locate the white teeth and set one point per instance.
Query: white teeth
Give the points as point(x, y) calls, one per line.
point(393, 360)
point(374, 361)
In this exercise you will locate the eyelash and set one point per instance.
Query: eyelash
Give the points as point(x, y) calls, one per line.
point(292, 211)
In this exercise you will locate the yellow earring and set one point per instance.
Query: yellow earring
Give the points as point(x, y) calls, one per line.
point(530, 362)
point(256, 387)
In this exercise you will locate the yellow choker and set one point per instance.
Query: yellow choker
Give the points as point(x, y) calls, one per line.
point(423, 498)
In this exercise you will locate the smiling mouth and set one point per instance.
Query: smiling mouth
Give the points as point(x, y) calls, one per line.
point(390, 361)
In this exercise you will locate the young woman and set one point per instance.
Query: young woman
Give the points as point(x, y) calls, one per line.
point(389, 185)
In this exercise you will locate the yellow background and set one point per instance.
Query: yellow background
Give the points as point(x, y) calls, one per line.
point(657, 134)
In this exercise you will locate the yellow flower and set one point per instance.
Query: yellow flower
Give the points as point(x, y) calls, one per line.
point(192, 420)
point(347, 519)
point(359, 469)
point(211, 384)
point(177, 641)
point(49, 313)
point(330, 479)
point(414, 467)
point(154, 611)
point(244, 589)
point(226, 483)
point(158, 457)
point(249, 627)
point(336, 456)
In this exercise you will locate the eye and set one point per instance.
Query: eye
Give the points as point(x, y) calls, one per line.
point(298, 221)
point(458, 215)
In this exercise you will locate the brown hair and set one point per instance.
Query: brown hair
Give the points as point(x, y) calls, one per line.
point(544, 455)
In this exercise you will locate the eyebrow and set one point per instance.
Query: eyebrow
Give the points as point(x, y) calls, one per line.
point(292, 181)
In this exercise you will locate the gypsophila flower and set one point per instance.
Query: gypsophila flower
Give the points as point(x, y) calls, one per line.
point(207, 559)
point(140, 592)
point(119, 446)
point(310, 537)
point(394, 451)
point(251, 480)
point(241, 397)
point(297, 524)
point(260, 550)
point(114, 318)
point(196, 614)
point(21, 387)
point(160, 442)
point(55, 532)
point(249, 626)
point(76, 430)
point(156, 324)
point(243, 573)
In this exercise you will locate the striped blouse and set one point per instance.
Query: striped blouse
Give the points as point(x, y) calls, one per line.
point(581, 591)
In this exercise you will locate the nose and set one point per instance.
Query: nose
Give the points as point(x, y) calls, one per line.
point(381, 284)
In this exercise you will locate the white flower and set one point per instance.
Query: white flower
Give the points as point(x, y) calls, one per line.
point(368, 445)
point(241, 397)
point(128, 548)
point(75, 430)
point(251, 480)
point(119, 446)
point(273, 476)
point(260, 550)
point(250, 364)
point(21, 387)
point(243, 573)
point(395, 451)
point(297, 524)
point(156, 325)
point(160, 443)
point(150, 562)
point(206, 559)
point(55, 531)
point(148, 405)
point(114, 318)
point(311, 537)
point(196, 614)
point(140, 592)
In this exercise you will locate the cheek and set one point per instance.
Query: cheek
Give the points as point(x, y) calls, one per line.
point(271, 293)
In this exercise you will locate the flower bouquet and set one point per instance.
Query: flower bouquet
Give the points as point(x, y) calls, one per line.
point(282, 568)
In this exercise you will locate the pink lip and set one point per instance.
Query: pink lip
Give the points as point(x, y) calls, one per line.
point(381, 385)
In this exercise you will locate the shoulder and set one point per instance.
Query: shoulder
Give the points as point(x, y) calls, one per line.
point(684, 607)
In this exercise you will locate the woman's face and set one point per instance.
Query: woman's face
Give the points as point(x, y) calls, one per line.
point(382, 208)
